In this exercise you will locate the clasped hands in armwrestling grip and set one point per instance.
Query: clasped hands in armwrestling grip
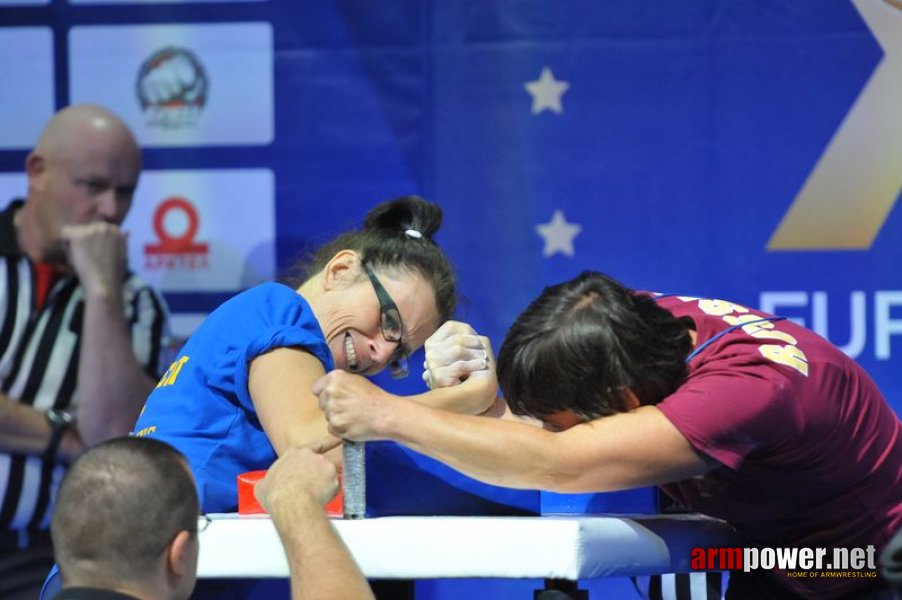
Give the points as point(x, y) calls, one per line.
point(455, 355)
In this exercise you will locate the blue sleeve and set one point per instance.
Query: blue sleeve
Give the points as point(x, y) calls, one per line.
point(285, 336)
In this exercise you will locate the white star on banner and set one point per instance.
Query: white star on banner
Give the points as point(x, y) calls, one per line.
point(546, 92)
point(558, 235)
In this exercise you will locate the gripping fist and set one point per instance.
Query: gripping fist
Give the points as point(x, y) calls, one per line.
point(453, 352)
point(298, 473)
point(355, 409)
point(97, 253)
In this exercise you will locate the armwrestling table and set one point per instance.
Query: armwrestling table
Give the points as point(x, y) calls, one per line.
point(558, 549)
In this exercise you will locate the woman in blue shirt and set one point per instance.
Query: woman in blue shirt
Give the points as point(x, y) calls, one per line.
point(239, 392)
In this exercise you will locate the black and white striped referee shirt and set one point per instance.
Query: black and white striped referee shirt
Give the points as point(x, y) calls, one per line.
point(39, 363)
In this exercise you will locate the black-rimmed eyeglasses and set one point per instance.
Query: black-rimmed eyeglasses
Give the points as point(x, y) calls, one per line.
point(203, 521)
point(392, 327)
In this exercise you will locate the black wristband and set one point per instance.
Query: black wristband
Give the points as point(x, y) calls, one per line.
point(60, 421)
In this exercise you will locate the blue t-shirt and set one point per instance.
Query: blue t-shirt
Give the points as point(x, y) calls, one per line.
point(202, 406)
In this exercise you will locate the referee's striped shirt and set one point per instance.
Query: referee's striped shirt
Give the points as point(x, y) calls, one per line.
point(39, 363)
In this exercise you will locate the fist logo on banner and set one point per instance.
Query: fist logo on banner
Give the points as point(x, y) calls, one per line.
point(158, 78)
point(172, 86)
point(173, 251)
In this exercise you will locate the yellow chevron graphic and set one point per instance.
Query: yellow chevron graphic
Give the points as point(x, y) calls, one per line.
point(852, 189)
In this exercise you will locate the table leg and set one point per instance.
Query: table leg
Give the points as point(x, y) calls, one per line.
point(561, 589)
point(393, 589)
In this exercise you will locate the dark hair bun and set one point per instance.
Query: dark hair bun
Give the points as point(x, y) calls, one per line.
point(394, 217)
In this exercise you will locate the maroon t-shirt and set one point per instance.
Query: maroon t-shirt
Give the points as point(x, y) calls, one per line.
point(811, 453)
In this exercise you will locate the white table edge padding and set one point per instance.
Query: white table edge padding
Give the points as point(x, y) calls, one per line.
point(565, 547)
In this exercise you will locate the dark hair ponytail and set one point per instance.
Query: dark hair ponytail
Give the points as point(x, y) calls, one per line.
point(409, 216)
point(396, 234)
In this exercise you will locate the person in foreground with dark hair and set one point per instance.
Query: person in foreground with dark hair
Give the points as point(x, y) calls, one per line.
point(734, 413)
point(126, 523)
point(294, 492)
point(239, 393)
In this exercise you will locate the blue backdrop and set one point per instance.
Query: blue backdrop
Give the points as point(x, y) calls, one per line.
point(744, 150)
